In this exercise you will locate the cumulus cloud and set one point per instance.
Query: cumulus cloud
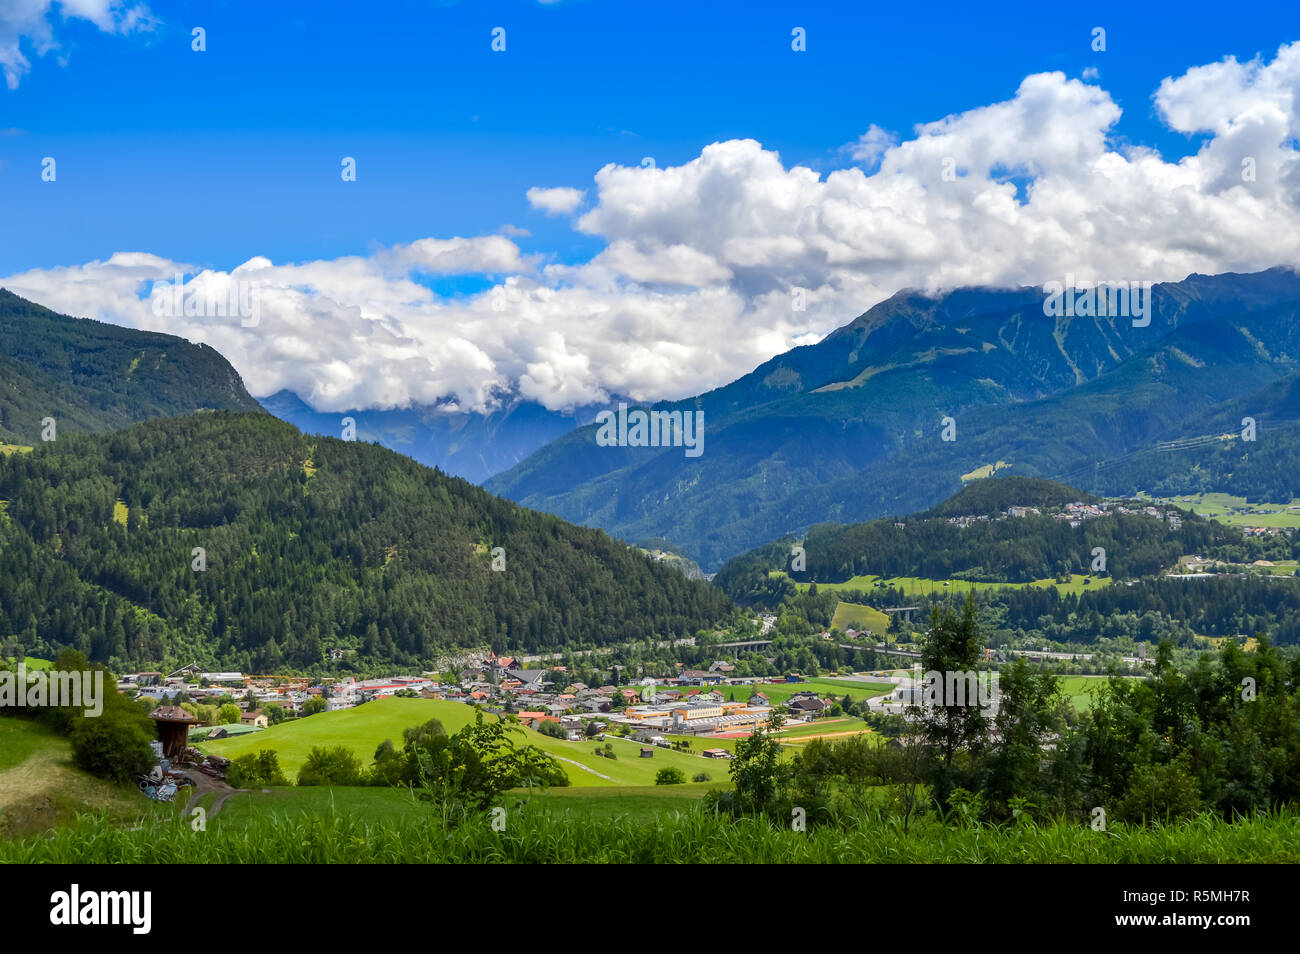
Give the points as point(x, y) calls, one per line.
point(872, 145)
point(557, 201)
point(696, 280)
point(30, 23)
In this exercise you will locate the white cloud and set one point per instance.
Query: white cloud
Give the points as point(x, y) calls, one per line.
point(693, 287)
point(29, 23)
point(490, 254)
point(872, 145)
point(558, 201)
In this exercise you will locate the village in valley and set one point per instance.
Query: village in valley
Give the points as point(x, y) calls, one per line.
point(700, 703)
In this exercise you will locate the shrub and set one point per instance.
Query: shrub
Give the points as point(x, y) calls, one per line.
point(701, 777)
point(333, 766)
point(470, 770)
point(115, 744)
point(262, 768)
point(1161, 793)
point(553, 729)
point(669, 776)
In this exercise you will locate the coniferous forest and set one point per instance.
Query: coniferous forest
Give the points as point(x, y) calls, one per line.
point(308, 545)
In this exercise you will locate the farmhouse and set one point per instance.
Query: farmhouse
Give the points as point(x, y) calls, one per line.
point(807, 706)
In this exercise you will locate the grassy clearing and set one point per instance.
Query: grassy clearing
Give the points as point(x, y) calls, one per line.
point(687, 833)
point(988, 470)
point(1079, 689)
point(360, 730)
point(630, 768)
point(836, 728)
point(40, 788)
point(780, 693)
point(857, 616)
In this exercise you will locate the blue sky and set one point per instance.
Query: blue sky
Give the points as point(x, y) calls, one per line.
point(189, 155)
point(777, 174)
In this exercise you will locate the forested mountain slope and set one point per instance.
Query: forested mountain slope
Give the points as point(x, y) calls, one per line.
point(93, 377)
point(310, 543)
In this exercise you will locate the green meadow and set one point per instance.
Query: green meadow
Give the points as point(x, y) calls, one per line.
point(857, 616)
point(1236, 511)
point(362, 729)
point(635, 828)
point(780, 693)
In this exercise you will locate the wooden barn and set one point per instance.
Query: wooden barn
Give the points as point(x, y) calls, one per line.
point(173, 730)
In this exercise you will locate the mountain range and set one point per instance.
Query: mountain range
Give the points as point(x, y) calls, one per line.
point(464, 444)
point(854, 426)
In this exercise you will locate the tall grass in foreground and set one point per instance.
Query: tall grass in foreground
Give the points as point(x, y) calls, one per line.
point(694, 836)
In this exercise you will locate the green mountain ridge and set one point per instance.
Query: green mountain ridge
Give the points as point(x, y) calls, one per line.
point(93, 377)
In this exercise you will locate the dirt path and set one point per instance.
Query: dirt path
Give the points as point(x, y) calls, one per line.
point(581, 766)
point(205, 784)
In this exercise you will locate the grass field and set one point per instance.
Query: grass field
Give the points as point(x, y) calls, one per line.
point(857, 616)
point(360, 730)
point(1236, 511)
point(780, 693)
point(914, 585)
point(832, 730)
point(393, 805)
point(988, 470)
point(570, 827)
point(41, 788)
point(34, 664)
point(1079, 689)
point(363, 728)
